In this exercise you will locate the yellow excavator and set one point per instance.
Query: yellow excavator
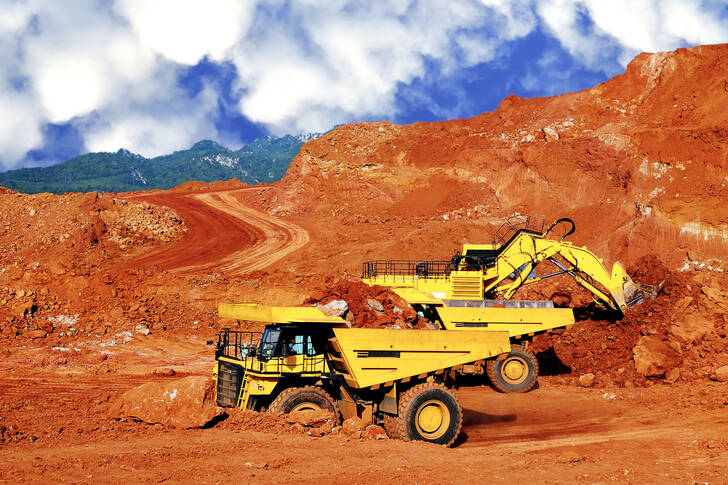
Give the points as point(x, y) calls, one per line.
point(475, 289)
point(497, 271)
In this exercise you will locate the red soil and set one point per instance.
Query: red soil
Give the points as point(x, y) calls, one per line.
point(97, 292)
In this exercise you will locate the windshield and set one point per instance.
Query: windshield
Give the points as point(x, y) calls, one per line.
point(268, 343)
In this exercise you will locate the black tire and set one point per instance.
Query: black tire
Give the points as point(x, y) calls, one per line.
point(392, 427)
point(518, 372)
point(427, 412)
point(304, 398)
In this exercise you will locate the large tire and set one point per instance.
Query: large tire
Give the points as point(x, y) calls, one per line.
point(516, 373)
point(302, 399)
point(427, 412)
point(392, 427)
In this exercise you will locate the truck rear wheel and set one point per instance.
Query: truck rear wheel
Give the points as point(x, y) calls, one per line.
point(516, 373)
point(307, 398)
point(427, 412)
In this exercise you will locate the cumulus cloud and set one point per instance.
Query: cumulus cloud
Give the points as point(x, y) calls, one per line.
point(345, 64)
point(598, 32)
point(112, 68)
point(184, 31)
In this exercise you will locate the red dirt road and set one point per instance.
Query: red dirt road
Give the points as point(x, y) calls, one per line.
point(554, 434)
point(224, 234)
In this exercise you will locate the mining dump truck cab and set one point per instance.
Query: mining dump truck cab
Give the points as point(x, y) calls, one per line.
point(252, 368)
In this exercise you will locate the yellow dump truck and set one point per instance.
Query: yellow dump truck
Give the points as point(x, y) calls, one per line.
point(305, 360)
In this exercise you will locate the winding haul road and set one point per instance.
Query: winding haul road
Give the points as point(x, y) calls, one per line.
point(224, 234)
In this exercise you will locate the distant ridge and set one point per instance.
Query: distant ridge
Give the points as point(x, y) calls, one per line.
point(263, 161)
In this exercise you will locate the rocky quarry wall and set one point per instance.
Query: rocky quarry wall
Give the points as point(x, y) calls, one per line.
point(640, 163)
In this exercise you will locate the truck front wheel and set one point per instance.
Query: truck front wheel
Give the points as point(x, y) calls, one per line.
point(307, 398)
point(516, 373)
point(428, 412)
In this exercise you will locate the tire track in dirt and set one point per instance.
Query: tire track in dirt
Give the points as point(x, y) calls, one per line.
point(224, 235)
point(279, 238)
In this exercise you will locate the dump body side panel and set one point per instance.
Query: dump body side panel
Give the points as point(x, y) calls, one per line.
point(367, 357)
point(514, 321)
point(276, 314)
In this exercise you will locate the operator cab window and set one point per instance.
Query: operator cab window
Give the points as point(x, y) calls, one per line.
point(284, 341)
point(297, 343)
point(269, 342)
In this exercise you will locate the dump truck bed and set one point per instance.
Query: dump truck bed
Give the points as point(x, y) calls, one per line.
point(368, 357)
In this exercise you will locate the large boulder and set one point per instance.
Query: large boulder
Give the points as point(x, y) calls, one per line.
point(654, 357)
point(692, 328)
point(587, 380)
point(182, 403)
point(720, 374)
point(374, 432)
point(335, 308)
point(353, 427)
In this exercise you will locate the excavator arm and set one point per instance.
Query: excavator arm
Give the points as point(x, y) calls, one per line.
point(516, 262)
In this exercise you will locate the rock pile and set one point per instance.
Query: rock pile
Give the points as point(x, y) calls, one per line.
point(681, 335)
point(312, 423)
point(365, 306)
point(141, 224)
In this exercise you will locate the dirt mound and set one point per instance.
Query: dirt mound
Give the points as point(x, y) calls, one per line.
point(312, 423)
point(183, 403)
point(47, 227)
point(367, 306)
point(141, 224)
point(680, 335)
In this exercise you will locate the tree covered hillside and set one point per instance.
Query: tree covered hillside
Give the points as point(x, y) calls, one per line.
point(263, 161)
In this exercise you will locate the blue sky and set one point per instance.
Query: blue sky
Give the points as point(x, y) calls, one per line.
point(155, 76)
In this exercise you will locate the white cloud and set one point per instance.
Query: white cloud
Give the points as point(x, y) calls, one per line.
point(696, 23)
point(184, 31)
point(155, 129)
point(14, 18)
point(20, 127)
point(102, 78)
point(591, 29)
point(345, 64)
point(516, 18)
point(111, 67)
point(564, 19)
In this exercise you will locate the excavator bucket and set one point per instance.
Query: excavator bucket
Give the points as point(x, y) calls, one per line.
point(631, 293)
point(637, 293)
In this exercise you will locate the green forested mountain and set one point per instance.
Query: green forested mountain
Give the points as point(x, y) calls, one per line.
point(263, 161)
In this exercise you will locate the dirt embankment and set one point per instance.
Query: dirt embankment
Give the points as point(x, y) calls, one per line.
point(639, 162)
point(681, 335)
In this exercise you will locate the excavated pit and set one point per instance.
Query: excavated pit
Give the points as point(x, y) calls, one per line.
point(99, 291)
